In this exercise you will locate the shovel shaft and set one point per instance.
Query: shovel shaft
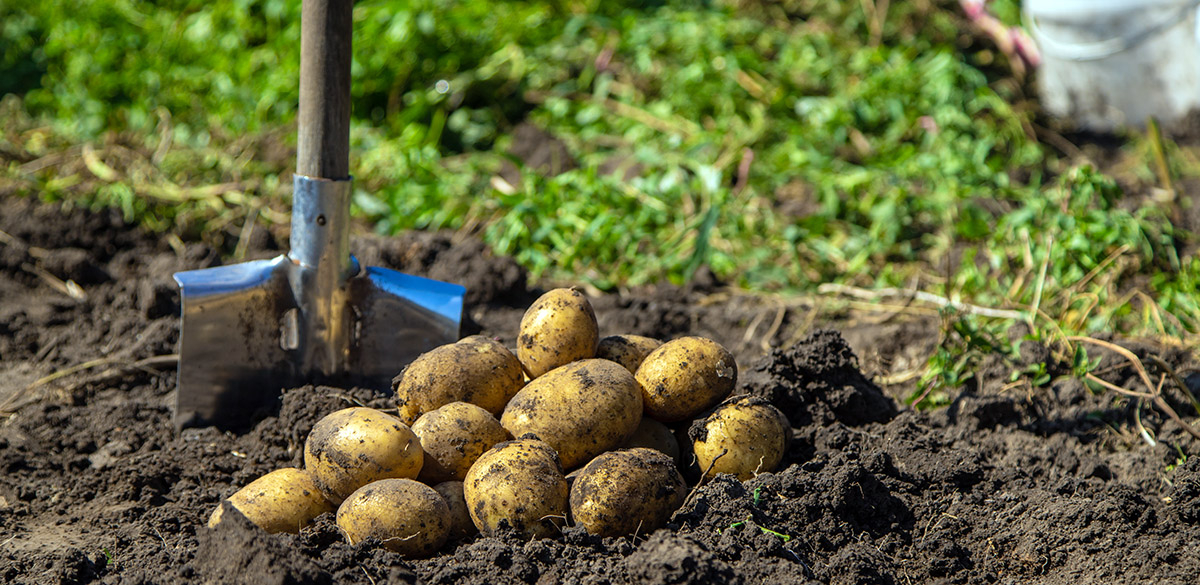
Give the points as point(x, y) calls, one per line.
point(323, 141)
point(321, 195)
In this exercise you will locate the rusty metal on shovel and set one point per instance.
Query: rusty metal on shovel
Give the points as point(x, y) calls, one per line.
point(312, 315)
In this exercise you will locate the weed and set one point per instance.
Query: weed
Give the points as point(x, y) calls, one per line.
point(965, 341)
point(1180, 459)
point(765, 530)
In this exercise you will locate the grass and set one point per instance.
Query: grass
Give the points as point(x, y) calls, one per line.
point(785, 145)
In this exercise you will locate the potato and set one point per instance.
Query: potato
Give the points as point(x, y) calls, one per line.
point(461, 526)
point(453, 437)
point(356, 446)
point(476, 369)
point(581, 409)
point(517, 485)
point(406, 516)
point(284, 500)
point(559, 328)
point(626, 492)
point(654, 435)
point(627, 350)
point(745, 437)
point(685, 377)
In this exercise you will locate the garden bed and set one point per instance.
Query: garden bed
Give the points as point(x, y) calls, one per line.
point(1009, 483)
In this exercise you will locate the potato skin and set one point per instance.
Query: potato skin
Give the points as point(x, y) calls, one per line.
point(627, 350)
point(476, 369)
point(581, 409)
point(284, 500)
point(752, 434)
point(517, 485)
point(453, 437)
point(626, 492)
point(559, 328)
point(407, 516)
point(461, 526)
point(685, 377)
point(652, 434)
point(356, 446)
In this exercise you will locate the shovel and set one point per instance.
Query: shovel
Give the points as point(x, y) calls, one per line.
point(313, 315)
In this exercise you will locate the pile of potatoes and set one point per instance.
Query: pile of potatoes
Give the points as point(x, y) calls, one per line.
point(483, 439)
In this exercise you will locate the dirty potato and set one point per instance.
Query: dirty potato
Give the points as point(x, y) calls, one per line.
point(654, 435)
point(626, 492)
point(745, 437)
point(461, 526)
point(453, 437)
point(356, 446)
point(685, 377)
point(627, 350)
point(476, 369)
point(517, 485)
point(284, 500)
point(559, 328)
point(581, 409)
point(406, 516)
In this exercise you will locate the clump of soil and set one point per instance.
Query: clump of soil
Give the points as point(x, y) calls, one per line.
point(817, 381)
point(1045, 485)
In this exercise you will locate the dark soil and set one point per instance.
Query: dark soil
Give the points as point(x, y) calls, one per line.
point(1008, 484)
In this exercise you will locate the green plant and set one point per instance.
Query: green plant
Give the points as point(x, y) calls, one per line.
point(765, 530)
point(1180, 459)
point(784, 146)
point(964, 342)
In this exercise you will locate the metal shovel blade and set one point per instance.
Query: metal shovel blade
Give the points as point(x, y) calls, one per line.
point(242, 340)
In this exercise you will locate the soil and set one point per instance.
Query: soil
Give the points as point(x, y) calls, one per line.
point(1008, 484)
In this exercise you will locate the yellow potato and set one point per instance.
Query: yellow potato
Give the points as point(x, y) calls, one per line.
point(745, 437)
point(581, 409)
point(476, 369)
point(654, 435)
point(356, 446)
point(626, 492)
point(559, 328)
point(284, 500)
point(685, 377)
point(453, 437)
point(627, 350)
point(517, 485)
point(406, 516)
point(461, 526)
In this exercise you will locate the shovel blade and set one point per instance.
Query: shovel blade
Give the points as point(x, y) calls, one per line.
point(240, 346)
point(399, 317)
point(231, 359)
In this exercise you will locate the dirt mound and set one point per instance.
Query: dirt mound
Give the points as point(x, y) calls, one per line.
point(817, 381)
point(1050, 485)
point(673, 559)
point(235, 552)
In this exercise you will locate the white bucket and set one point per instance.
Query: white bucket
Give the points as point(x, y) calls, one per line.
point(1112, 63)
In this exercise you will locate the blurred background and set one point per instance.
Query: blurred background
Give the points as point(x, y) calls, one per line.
point(859, 151)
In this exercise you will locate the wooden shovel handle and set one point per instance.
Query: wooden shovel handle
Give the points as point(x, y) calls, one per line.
point(323, 142)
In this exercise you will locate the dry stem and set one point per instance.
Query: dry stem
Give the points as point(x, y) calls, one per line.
point(1153, 393)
